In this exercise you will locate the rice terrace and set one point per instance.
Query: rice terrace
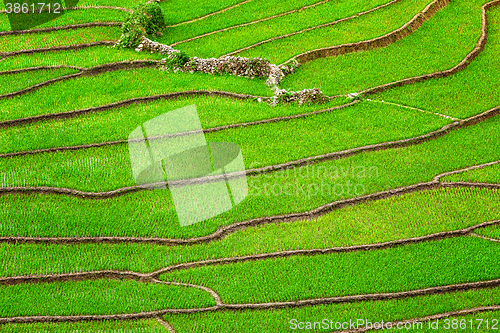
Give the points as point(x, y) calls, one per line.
point(249, 166)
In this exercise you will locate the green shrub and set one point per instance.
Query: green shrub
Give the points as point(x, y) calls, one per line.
point(146, 20)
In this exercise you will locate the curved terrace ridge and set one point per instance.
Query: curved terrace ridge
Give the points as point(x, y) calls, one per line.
point(251, 22)
point(206, 130)
point(378, 42)
point(312, 28)
point(480, 45)
point(167, 96)
point(264, 170)
point(232, 228)
point(64, 27)
point(270, 305)
point(463, 312)
point(110, 67)
point(56, 48)
point(88, 7)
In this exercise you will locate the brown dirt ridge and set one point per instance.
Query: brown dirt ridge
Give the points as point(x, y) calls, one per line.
point(229, 229)
point(64, 27)
point(251, 172)
point(378, 42)
point(110, 67)
point(207, 130)
point(271, 305)
point(250, 23)
point(173, 95)
point(480, 45)
point(57, 48)
point(312, 28)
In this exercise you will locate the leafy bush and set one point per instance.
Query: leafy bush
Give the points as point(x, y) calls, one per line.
point(146, 20)
point(175, 61)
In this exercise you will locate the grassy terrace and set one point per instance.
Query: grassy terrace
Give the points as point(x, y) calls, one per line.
point(278, 320)
point(248, 12)
point(19, 81)
point(373, 222)
point(395, 168)
point(425, 265)
point(484, 175)
point(117, 124)
point(114, 161)
point(120, 85)
point(64, 37)
point(372, 25)
point(453, 32)
point(464, 93)
point(142, 326)
point(97, 297)
point(178, 11)
point(74, 17)
point(338, 135)
point(441, 43)
point(88, 57)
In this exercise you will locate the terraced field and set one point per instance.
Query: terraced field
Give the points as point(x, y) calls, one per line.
point(373, 205)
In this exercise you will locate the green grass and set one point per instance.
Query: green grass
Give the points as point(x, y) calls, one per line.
point(119, 123)
point(453, 32)
point(278, 320)
point(19, 81)
point(467, 92)
point(490, 174)
point(263, 145)
point(491, 232)
point(458, 260)
point(252, 11)
point(139, 326)
point(366, 27)
point(116, 86)
point(408, 216)
point(88, 57)
point(177, 11)
point(74, 17)
point(97, 297)
point(59, 38)
point(395, 168)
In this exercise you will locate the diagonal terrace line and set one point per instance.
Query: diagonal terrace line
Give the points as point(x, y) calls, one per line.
point(64, 27)
point(480, 45)
point(264, 170)
point(207, 130)
point(378, 42)
point(484, 237)
point(232, 228)
point(457, 313)
point(251, 23)
point(211, 14)
point(4, 55)
point(110, 67)
point(270, 305)
point(311, 28)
